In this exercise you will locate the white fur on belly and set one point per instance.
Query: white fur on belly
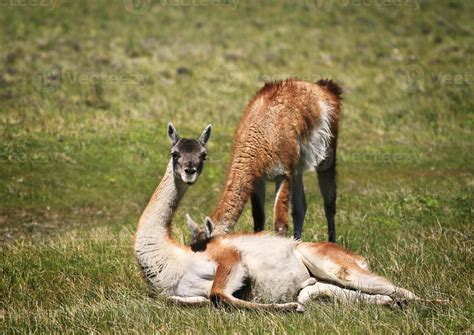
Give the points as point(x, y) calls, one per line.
point(276, 274)
point(198, 279)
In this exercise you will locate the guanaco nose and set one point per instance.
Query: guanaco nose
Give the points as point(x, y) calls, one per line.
point(190, 170)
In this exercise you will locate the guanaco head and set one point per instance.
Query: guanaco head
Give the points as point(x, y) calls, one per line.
point(188, 154)
point(200, 238)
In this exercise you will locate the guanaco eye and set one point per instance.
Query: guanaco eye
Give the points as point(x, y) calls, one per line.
point(175, 155)
point(204, 156)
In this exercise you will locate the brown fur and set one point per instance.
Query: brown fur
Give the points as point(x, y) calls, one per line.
point(226, 258)
point(343, 273)
point(331, 87)
point(337, 253)
point(281, 114)
point(282, 204)
point(347, 260)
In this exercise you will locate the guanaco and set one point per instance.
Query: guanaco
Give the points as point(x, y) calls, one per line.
point(243, 270)
point(288, 127)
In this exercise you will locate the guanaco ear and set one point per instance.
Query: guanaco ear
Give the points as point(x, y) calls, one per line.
point(208, 227)
point(192, 225)
point(206, 133)
point(173, 133)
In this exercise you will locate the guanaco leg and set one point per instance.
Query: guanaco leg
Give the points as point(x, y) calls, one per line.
point(332, 263)
point(298, 204)
point(326, 290)
point(258, 205)
point(282, 205)
point(326, 172)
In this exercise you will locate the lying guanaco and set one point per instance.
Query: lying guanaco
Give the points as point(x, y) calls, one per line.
point(243, 270)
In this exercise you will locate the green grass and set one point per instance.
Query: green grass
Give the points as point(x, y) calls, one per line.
point(86, 91)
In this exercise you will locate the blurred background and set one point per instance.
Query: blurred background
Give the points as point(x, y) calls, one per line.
point(88, 87)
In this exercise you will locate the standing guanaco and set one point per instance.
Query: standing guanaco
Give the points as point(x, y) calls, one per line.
point(288, 127)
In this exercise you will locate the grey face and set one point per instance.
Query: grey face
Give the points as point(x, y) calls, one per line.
point(188, 155)
point(188, 159)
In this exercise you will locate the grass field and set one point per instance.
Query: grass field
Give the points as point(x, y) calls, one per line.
point(86, 91)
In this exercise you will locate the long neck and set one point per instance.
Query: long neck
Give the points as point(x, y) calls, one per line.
point(237, 191)
point(153, 234)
